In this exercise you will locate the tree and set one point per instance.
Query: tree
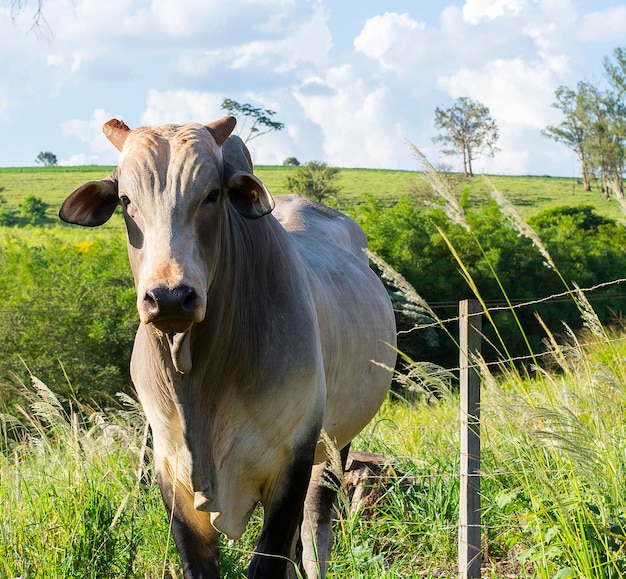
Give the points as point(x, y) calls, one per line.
point(604, 116)
point(314, 180)
point(571, 132)
point(291, 162)
point(46, 158)
point(468, 130)
point(261, 119)
point(593, 127)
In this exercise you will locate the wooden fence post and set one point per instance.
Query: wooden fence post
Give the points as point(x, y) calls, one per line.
point(470, 328)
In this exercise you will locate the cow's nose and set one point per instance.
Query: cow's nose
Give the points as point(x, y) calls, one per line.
point(176, 302)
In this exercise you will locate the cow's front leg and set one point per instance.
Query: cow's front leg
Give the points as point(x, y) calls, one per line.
point(196, 539)
point(282, 518)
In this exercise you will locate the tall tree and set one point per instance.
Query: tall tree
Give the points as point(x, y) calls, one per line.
point(604, 117)
point(467, 130)
point(594, 124)
point(260, 119)
point(571, 132)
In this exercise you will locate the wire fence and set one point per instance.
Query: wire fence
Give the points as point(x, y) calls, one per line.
point(469, 525)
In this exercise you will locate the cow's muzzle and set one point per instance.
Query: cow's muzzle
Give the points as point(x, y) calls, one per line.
point(172, 310)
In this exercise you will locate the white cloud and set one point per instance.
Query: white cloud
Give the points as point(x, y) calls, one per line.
point(357, 125)
point(515, 91)
point(90, 133)
point(604, 25)
point(5, 107)
point(348, 100)
point(388, 34)
point(475, 11)
point(518, 94)
point(181, 106)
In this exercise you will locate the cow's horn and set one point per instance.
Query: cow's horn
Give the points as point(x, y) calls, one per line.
point(116, 131)
point(222, 129)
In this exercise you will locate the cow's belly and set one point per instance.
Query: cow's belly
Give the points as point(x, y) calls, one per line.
point(358, 336)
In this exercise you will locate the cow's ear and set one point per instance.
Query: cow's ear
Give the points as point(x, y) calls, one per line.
point(249, 196)
point(92, 204)
point(222, 129)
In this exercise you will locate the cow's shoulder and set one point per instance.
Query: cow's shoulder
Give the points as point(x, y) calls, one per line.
point(315, 224)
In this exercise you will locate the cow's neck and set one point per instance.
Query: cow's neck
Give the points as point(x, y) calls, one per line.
point(242, 298)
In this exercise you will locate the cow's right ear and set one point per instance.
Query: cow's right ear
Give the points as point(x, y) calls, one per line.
point(92, 204)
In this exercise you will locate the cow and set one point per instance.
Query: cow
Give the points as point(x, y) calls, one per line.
point(261, 326)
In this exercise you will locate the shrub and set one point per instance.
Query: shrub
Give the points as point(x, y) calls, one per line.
point(33, 209)
point(314, 180)
point(586, 248)
point(67, 307)
point(7, 214)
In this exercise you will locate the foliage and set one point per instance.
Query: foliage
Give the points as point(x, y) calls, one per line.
point(587, 249)
point(560, 436)
point(314, 180)
point(529, 193)
point(467, 130)
point(593, 125)
point(262, 119)
point(46, 158)
point(291, 162)
point(68, 312)
point(77, 500)
point(33, 209)
point(571, 131)
point(7, 214)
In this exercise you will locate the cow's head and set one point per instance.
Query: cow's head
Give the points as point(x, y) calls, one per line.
point(176, 184)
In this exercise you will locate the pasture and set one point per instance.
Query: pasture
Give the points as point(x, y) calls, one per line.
point(77, 498)
point(529, 193)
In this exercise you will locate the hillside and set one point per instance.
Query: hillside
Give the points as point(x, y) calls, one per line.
point(530, 194)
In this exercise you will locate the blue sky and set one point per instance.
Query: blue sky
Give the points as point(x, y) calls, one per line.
point(353, 80)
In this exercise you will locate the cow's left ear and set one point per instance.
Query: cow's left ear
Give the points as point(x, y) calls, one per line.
point(92, 204)
point(248, 195)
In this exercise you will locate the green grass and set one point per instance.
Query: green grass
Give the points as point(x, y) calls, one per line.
point(530, 194)
point(74, 501)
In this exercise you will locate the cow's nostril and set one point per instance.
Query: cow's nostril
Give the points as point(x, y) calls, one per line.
point(170, 302)
point(189, 301)
point(152, 304)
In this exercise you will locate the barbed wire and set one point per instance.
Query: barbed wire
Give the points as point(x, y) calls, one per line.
point(518, 303)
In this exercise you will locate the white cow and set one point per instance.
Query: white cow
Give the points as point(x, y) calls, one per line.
point(258, 330)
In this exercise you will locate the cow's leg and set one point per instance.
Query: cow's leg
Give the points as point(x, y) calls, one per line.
point(317, 529)
point(277, 546)
point(196, 539)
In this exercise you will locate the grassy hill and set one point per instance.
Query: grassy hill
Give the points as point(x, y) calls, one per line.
point(529, 193)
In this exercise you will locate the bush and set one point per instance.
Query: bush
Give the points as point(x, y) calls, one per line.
point(586, 248)
point(314, 180)
point(7, 214)
point(67, 308)
point(33, 209)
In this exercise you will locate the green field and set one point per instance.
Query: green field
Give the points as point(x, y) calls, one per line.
point(529, 193)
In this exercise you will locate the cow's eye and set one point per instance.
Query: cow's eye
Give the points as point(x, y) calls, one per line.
point(125, 200)
point(212, 196)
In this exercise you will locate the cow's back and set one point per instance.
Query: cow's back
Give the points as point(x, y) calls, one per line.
point(356, 321)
